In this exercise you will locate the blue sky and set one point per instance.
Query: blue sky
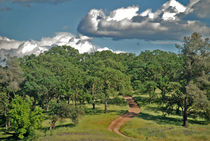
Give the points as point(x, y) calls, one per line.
point(32, 20)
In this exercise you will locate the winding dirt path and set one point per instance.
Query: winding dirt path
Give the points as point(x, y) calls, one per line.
point(132, 112)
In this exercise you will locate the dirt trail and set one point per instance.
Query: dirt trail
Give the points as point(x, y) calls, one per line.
point(132, 112)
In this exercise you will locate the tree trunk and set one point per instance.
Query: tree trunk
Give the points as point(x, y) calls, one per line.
point(47, 107)
point(6, 126)
point(105, 110)
point(68, 100)
point(94, 106)
point(93, 96)
point(177, 110)
point(163, 94)
point(185, 122)
point(75, 100)
point(150, 98)
point(6, 121)
point(52, 126)
point(106, 101)
point(13, 93)
point(58, 99)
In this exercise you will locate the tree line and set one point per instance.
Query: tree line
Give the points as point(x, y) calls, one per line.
point(58, 83)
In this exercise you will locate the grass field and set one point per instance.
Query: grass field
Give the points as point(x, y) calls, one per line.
point(151, 125)
point(91, 127)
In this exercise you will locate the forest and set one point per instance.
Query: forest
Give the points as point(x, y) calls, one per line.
point(63, 84)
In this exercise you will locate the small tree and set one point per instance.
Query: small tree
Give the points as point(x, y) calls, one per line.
point(63, 110)
point(23, 119)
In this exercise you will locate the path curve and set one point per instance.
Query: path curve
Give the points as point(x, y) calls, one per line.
point(132, 112)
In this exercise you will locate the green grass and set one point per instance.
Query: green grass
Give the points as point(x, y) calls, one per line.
point(152, 125)
point(93, 127)
point(149, 125)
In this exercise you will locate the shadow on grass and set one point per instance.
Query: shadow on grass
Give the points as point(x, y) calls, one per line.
point(65, 125)
point(7, 136)
point(160, 119)
point(58, 126)
point(168, 120)
point(10, 138)
point(199, 122)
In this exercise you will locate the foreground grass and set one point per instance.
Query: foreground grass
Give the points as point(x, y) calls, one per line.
point(151, 125)
point(91, 127)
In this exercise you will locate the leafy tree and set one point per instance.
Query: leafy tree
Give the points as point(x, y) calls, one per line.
point(23, 119)
point(150, 88)
point(41, 84)
point(112, 81)
point(94, 86)
point(196, 62)
point(63, 110)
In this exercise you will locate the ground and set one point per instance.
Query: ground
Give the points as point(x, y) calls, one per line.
point(149, 124)
point(118, 122)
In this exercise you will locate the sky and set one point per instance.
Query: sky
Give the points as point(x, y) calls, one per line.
point(34, 26)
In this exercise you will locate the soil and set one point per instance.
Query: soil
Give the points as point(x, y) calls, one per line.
point(132, 112)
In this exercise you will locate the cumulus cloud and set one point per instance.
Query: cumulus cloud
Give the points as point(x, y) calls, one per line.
point(7, 44)
point(164, 24)
point(10, 47)
point(21, 48)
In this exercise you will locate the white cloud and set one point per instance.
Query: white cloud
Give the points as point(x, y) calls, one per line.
point(164, 24)
point(176, 5)
point(7, 44)
point(21, 48)
point(123, 13)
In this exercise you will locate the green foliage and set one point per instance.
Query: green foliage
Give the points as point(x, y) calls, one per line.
point(63, 81)
point(63, 110)
point(196, 56)
point(23, 119)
